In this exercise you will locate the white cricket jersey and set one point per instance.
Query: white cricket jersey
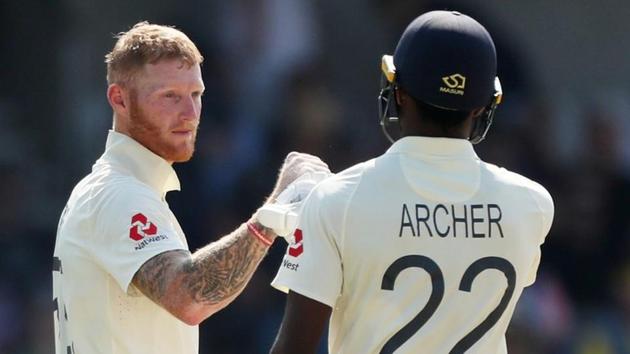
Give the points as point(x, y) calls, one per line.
point(115, 220)
point(425, 249)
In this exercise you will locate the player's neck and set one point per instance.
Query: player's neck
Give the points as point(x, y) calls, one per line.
point(416, 127)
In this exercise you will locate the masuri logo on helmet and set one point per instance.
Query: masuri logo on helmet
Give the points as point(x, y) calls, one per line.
point(455, 84)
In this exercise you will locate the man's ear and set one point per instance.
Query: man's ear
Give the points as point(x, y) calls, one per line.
point(401, 96)
point(118, 99)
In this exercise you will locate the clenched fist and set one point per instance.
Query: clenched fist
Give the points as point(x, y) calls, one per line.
point(295, 165)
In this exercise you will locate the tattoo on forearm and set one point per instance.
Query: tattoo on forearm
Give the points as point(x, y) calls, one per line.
point(211, 275)
point(222, 269)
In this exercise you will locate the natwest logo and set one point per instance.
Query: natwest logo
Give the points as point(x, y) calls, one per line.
point(141, 227)
point(296, 248)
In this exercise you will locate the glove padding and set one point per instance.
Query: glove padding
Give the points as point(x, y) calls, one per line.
point(282, 216)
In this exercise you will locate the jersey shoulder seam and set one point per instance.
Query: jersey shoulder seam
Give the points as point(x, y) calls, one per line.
point(523, 183)
point(349, 201)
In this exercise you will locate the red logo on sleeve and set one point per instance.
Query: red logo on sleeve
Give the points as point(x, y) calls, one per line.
point(141, 227)
point(296, 248)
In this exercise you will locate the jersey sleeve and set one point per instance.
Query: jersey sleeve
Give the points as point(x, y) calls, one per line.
point(312, 264)
point(544, 202)
point(132, 226)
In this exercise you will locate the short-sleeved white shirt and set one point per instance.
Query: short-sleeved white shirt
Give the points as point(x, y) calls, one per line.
point(415, 249)
point(115, 220)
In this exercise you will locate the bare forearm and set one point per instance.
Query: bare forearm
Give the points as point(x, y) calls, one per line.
point(221, 270)
point(193, 287)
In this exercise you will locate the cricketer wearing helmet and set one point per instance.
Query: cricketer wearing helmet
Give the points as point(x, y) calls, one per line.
point(426, 248)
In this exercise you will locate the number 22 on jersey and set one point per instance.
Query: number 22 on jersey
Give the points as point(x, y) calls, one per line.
point(437, 293)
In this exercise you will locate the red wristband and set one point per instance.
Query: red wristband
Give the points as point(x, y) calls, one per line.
point(259, 235)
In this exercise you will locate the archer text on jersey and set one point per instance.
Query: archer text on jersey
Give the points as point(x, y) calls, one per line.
point(449, 220)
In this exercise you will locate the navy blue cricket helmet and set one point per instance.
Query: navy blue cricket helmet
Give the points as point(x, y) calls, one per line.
point(447, 60)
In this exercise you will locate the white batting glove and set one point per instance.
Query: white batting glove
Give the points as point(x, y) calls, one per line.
point(282, 217)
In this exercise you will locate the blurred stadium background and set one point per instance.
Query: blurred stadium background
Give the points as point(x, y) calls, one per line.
point(303, 75)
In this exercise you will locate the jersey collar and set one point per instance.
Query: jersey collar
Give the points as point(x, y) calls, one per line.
point(434, 147)
point(141, 162)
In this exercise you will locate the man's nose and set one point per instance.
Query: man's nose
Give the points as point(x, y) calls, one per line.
point(191, 108)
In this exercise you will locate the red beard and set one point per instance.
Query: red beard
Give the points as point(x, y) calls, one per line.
point(155, 138)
